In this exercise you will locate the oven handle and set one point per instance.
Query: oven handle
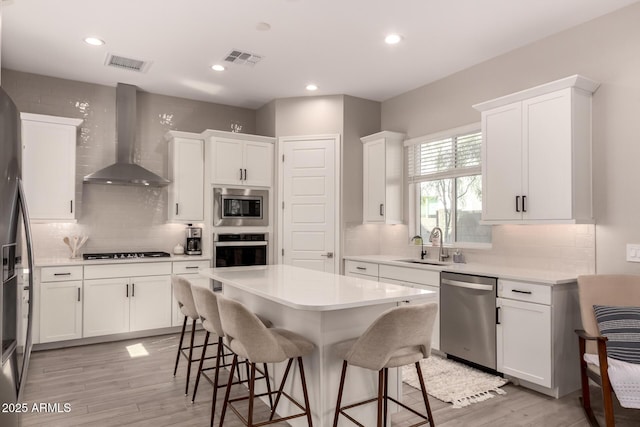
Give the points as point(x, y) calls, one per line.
point(467, 285)
point(241, 243)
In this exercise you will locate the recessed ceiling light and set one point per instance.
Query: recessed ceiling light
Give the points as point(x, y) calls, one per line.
point(312, 87)
point(393, 39)
point(217, 67)
point(94, 41)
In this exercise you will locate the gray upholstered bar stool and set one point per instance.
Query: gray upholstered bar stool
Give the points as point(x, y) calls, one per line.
point(399, 336)
point(248, 337)
point(184, 297)
point(207, 306)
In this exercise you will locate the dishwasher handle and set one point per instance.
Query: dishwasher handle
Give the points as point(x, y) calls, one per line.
point(467, 285)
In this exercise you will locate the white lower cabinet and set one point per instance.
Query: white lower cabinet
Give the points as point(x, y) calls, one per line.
point(60, 311)
point(106, 306)
point(535, 337)
point(524, 341)
point(404, 276)
point(416, 278)
point(60, 303)
point(188, 270)
point(134, 301)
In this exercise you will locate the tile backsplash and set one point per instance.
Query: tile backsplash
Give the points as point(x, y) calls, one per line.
point(116, 218)
point(555, 247)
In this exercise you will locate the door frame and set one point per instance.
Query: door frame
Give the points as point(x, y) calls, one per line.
point(337, 146)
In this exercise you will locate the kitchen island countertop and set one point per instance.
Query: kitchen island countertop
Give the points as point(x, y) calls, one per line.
point(304, 289)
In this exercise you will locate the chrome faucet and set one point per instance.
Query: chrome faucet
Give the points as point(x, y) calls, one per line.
point(437, 233)
point(423, 253)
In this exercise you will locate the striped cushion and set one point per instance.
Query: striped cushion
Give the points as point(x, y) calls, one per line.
point(621, 326)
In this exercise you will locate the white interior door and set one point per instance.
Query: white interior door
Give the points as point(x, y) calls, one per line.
point(309, 217)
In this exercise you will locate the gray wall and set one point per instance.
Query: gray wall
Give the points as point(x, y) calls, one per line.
point(606, 50)
point(309, 115)
point(115, 217)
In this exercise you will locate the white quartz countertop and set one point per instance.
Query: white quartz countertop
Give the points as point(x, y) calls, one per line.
point(499, 271)
point(56, 262)
point(305, 289)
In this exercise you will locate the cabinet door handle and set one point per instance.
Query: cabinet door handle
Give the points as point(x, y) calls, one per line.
point(381, 209)
point(71, 206)
point(240, 174)
point(176, 209)
point(127, 290)
point(245, 174)
point(517, 203)
point(78, 294)
point(133, 290)
point(521, 292)
point(62, 274)
point(524, 203)
point(497, 315)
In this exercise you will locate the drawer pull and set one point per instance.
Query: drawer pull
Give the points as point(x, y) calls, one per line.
point(62, 274)
point(190, 267)
point(521, 292)
point(361, 268)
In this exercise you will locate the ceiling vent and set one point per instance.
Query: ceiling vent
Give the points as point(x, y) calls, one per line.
point(125, 63)
point(243, 58)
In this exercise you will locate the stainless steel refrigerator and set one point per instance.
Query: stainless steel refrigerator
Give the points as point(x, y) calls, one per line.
point(16, 296)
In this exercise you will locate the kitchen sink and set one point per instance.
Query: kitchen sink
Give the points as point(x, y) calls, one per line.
point(424, 261)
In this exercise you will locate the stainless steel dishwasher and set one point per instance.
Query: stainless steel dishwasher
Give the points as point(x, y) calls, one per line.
point(468, 317)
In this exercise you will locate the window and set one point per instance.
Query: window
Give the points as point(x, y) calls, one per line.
point(445, 173)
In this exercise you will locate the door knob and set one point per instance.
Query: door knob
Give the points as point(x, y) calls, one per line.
point(328, 255)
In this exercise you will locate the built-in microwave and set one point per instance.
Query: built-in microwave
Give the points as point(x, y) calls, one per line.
point(240, 206)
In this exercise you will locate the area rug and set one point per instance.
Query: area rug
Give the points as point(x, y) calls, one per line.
point(454, 382)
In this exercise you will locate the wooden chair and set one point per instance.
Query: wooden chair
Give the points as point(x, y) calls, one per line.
point(608, 290)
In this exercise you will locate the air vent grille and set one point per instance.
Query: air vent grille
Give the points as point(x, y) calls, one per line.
point(243, 58)
point(125, 63)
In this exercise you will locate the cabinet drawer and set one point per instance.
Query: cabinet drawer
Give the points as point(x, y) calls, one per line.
point(359, 267)
point(407, 274)
point(59, 274)
point(524, 291)
point(127, 270)
point(185, 267)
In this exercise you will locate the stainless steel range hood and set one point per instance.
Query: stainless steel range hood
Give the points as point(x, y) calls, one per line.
point(124, 171)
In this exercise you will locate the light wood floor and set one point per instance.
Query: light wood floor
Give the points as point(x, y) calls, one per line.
point(105, 386)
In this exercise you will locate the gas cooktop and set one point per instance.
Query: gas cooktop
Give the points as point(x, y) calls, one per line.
point(126, 255)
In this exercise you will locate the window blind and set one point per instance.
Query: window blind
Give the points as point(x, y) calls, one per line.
point(452, 156)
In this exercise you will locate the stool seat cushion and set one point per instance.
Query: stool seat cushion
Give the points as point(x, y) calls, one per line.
point(401, 357)
point(291, 345)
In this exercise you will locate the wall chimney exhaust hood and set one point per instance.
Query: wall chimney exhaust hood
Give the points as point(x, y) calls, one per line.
point(124, 171)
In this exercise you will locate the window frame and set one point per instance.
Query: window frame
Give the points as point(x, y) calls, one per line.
point(452, 173)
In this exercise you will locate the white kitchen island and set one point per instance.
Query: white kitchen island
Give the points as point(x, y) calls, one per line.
point(325, 308)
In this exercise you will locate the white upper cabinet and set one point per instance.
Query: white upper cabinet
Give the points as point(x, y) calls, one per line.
point(239, 159)
point(186, 173)
point(536, 154)
point(382, 184)
point(49, 165)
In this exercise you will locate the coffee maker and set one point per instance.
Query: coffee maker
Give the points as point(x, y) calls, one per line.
point(194, 241)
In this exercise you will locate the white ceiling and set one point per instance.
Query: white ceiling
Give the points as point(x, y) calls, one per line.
point(337, 44)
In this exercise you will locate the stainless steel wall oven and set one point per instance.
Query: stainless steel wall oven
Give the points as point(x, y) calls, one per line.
point(240, 249)
point(242, 207)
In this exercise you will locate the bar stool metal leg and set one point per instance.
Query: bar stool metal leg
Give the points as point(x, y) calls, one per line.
point(305, 393)
point(193, 334)
point(228, 391)
point(424, 394)
point(184, 326)
point(202, 357)
point(342, 377)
